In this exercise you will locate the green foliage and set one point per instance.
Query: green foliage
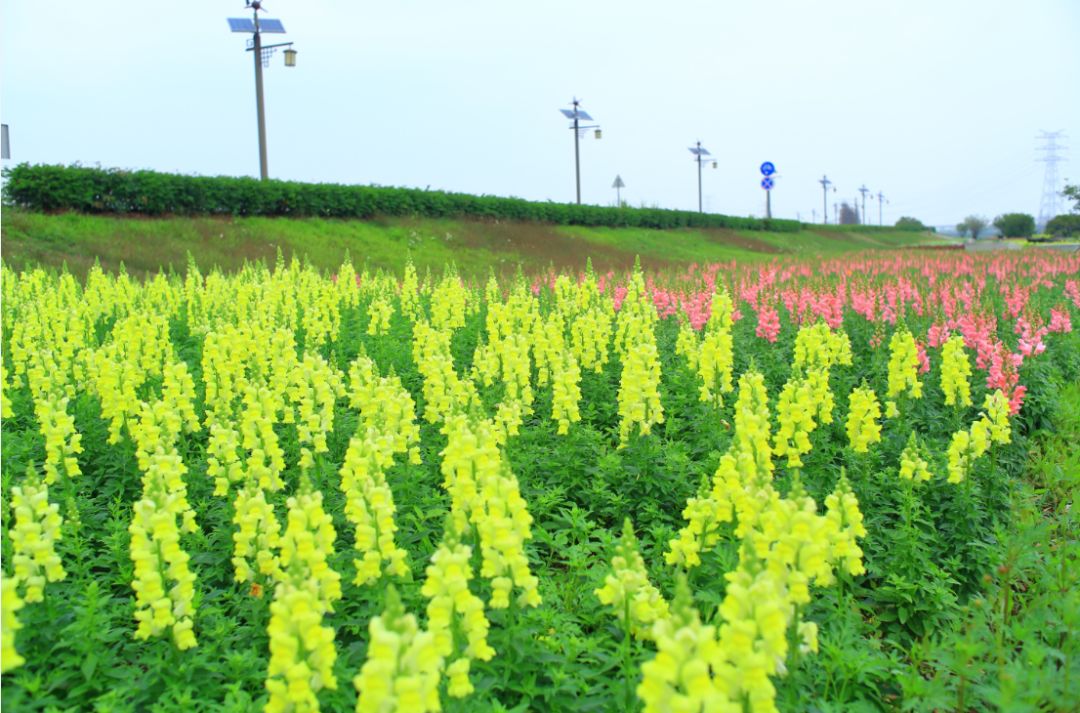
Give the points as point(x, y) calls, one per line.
point(906, 223)
point(1015, 225)
point(973, 224)
point(95, 190)
point(1064, 226)
point(1073, 194)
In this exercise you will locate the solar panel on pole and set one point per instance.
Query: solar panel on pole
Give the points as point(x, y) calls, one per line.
point(268, 24)
point(699, 151)
point(571, 114)
point(241, 24)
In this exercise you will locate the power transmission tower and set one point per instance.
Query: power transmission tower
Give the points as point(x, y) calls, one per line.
point(864, 190)
point(1050, 205)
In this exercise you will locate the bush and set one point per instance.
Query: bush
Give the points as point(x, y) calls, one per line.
point(1015, 225)
point(906, 223)
point(94, 190)
point(1064, 226)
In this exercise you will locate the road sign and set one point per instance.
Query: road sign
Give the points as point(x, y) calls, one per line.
point(768, 169)
point(618, 183)
point(767, 183)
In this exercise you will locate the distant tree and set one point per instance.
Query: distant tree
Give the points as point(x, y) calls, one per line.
point(1073, 194)
point(973, 224)
point(1015, 225)
point(848, 215)
point(1064, 226)
point(907, 223)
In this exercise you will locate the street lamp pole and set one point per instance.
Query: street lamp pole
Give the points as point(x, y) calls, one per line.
point(259, 105)
point(576, 115)
point(699, 210)
point(699, 154)
point(577, 154)
point(261, 54)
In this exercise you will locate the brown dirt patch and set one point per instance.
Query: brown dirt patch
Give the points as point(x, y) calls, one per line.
point(745, 242)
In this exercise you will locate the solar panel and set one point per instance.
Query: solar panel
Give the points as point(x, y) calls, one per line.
point(700, 152)
point(579, 114)
point(241, 24)
point(268, 24)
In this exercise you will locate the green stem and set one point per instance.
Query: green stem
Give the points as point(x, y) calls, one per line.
point(626, 658)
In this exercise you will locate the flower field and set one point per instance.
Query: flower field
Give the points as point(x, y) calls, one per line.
point(738, 487)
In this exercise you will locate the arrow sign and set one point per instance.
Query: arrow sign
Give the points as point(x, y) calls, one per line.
point(768, 169)
point(618, 183)
point(767, 183)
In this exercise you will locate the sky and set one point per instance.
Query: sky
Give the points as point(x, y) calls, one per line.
point(935, 103)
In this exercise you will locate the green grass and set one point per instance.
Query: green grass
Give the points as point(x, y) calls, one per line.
point(144, 245)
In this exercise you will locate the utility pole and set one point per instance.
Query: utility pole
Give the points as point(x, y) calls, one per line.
point(880, 201)
point(864, 190)
point(825, 183)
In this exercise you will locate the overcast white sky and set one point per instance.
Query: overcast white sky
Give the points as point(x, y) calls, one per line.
point(936, 103)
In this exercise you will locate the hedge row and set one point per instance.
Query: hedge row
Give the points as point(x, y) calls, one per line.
point(95, 190)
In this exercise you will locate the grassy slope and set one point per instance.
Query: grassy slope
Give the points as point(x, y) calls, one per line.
point(146, 244)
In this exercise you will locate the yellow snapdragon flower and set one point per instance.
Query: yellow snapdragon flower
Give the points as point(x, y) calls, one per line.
point(628, 591)
point(9, 624)
point(862, 423)
point(402, 670)
point(955, 373)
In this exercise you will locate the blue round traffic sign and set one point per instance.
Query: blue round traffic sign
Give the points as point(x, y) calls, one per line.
point(768, 169)
point(767, 183)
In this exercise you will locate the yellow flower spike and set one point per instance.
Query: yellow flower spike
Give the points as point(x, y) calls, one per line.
point(680, 677)
point(369, 507)
point(912, 465)
point(9, 624)
point(903, 368)
point(639, 390)
point(996, 408)
point(34, 536)
point(628, 591)
point(703, 514)
point(302, 652)
point(863, 428)
point(955, 373)
point(452, 607)
point(306, 545)
point(257, 537)
point(402, 670)
point(484, 495)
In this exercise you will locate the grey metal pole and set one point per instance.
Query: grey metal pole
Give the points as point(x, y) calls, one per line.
point(699, 210)
point(259, 101)
point(577, 155)
point(768, 205)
